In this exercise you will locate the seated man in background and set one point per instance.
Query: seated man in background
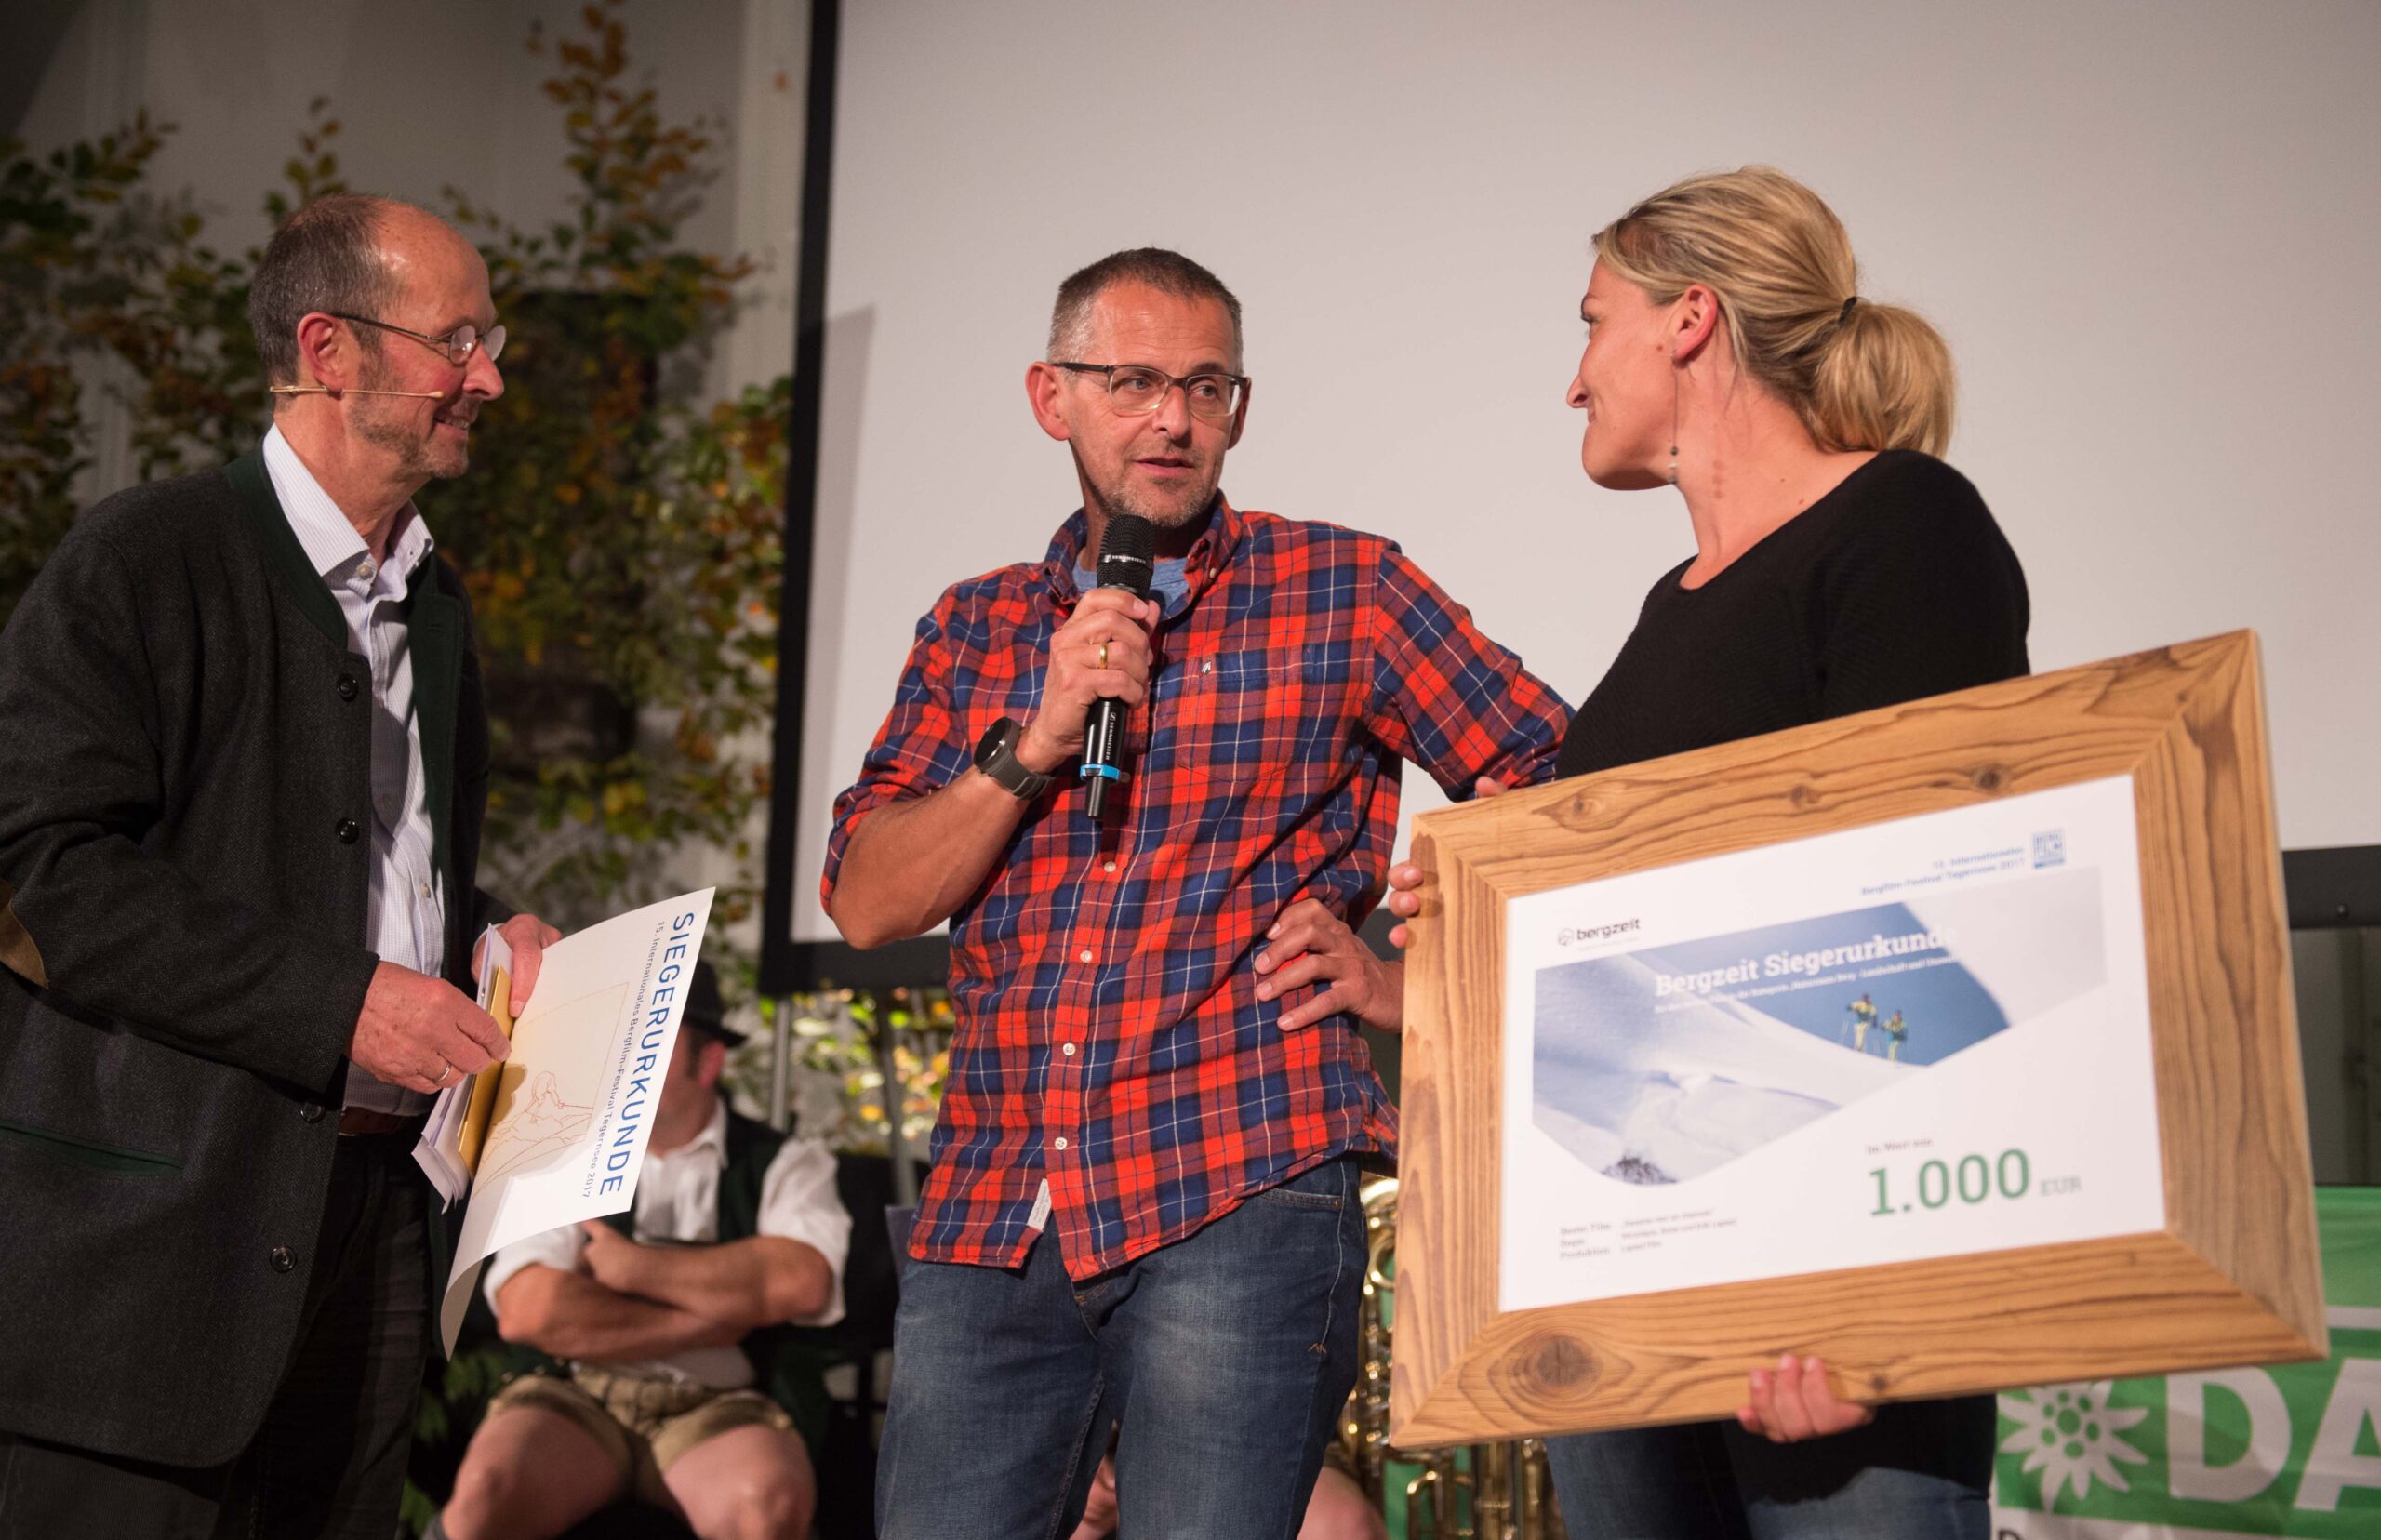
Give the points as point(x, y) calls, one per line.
point(683, 1386)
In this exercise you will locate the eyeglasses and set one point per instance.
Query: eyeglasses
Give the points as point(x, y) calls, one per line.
point(457, 345)
point(1136, 388)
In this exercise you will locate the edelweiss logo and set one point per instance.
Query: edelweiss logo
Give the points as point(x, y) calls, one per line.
point(2069, 1434)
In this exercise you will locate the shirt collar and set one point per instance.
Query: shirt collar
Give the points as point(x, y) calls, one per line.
point(331, 541)
point(1210, 554)
point(712, 1139)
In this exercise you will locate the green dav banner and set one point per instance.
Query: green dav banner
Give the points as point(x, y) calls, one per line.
point(2294, 1450)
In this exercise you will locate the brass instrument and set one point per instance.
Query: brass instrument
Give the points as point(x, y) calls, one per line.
point(1509, 1490)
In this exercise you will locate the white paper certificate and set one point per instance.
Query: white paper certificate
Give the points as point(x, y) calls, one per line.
point(1918, 1039)
point(575, 1101)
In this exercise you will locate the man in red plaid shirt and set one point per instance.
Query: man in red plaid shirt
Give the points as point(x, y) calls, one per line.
point(1143, 1207)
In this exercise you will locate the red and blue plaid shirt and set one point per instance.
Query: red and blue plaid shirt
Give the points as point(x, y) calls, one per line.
point(1110, 1038)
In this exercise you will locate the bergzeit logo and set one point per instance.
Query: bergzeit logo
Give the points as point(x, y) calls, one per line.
point(1582, 935)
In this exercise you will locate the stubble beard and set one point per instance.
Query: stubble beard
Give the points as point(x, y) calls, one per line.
point(386, 423)
point(1165, 510)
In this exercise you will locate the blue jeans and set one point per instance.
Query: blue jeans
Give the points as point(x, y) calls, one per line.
point(1921, 1471)
point(1223, 1358)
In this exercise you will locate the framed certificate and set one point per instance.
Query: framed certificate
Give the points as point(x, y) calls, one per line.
point(1951, 1043)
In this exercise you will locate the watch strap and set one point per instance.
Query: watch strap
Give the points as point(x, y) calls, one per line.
point(1000, 762)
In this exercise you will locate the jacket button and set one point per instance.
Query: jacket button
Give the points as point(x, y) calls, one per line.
point(312, 1112)
point(348, 687)
point(284, 1259)
point(348, 831)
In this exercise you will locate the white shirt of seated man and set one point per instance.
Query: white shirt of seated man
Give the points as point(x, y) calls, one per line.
point(677, 1206)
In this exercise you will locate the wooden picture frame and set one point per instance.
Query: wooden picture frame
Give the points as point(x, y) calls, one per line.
point(2231, 1279)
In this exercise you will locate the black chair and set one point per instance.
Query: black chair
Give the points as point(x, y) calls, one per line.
point(871, 1294)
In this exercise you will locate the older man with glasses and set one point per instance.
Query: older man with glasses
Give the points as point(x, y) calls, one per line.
point(242, 786)
point(1143, 1208)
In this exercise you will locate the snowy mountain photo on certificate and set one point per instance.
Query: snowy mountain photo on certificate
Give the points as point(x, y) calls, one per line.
point(1663, 1064)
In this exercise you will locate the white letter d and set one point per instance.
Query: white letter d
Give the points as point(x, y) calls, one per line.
point(2188, 1474)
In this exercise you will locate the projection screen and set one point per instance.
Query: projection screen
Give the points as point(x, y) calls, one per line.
point(2147, 233)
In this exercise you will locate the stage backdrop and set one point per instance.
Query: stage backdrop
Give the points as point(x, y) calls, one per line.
point(2144, 229)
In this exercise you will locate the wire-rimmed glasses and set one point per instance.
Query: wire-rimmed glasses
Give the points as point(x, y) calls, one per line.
point(457, 345)
point(1137, 389)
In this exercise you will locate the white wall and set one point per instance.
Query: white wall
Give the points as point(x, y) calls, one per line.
point(2146, 230)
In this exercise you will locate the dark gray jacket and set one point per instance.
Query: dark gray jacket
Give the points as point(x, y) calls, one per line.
point(185, 797)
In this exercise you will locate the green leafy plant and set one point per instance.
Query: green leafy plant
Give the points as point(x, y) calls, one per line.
point(836, 1036)
point(100, 266)
point(622, 541)
point(73, 237)
point(620, 535)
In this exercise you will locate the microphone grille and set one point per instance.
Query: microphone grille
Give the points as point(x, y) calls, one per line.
point(1129, 538)
point(1124, 553)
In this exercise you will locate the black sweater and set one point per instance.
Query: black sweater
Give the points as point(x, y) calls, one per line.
point(1895, 585)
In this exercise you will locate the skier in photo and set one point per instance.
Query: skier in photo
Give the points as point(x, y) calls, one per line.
point(1863, 1013)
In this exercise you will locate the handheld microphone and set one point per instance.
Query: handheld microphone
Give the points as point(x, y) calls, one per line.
point(1124, 554)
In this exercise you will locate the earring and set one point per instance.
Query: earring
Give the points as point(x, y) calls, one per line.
point(1674, 419)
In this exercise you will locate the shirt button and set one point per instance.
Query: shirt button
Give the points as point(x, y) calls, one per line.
point(283, 1259)
point(1208, 667)
point(366, 569)
point(1060, 1141)
point(1084, 956)
point(425, 890)
point(1110, 867)
point(348, 831)
point(348, 687)
point(311, 1112)
point(1067, 1049)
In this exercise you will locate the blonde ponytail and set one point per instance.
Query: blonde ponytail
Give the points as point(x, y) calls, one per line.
point(1861, 376)
point(1884, 381)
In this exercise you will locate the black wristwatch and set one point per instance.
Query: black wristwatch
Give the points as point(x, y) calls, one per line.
point(996, 757)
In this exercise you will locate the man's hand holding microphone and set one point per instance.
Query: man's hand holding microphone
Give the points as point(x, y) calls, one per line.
point(1102, 653)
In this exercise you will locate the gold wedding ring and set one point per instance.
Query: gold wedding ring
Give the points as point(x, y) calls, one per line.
point(1103, 654)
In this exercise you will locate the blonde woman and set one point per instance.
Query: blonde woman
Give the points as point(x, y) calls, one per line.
point(1839, 566)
